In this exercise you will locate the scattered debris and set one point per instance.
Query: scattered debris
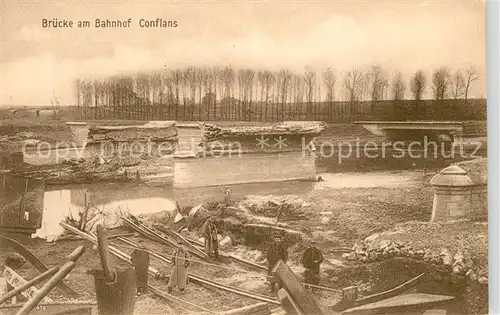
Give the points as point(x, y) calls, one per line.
point(370, 250)
point(288, 207)
point(214, 132)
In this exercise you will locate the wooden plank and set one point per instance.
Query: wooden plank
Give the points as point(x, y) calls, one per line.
point(187, 242)
point(28, 284)
point(49, 285)
point(287, 303)
point(15, 280)
point(289, 281)
point(400, 303)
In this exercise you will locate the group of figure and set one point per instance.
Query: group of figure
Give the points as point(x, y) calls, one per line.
point(277, 250)
point(180, 261)
point(311, 260)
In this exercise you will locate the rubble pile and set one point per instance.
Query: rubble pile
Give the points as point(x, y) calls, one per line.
point(459, 264)
point(18, 141)
point(153, 131)
point(95, 168)
point(290, 206)
point(213, 132)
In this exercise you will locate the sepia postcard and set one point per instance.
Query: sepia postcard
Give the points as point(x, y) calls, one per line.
point(243, 157)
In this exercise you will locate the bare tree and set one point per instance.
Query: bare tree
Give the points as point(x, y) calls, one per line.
point(284, 78)
point(440, 82)
point(470, 76)
point(310, 80)
point(156, 90)
point(200, 76)
point(176, 79)
point(247, 79)
point(266, 80)
point(215, 74)
point(299, 87)
point(398, 87)
point(329, 80)
point(191, 77)
point(375, 83)
point(377, 79)
point(227, 77)
point(353, 83)
point(208, 81)
point(417, 85)
point(457, 84)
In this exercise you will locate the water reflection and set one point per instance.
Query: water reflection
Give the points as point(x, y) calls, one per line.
point(104, 202)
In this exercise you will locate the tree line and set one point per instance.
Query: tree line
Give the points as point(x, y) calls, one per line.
point(239, 93)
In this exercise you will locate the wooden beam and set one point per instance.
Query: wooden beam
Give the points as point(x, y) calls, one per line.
point(28, 284)
point(187, 242)
point(287, 303)
point(289, 281)
point(61, 273)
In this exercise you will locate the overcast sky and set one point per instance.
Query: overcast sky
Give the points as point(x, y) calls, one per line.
point(404, 36)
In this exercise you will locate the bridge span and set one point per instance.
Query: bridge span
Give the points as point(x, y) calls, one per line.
point(446, 130)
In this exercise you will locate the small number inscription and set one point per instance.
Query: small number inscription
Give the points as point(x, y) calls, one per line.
point(41, 307)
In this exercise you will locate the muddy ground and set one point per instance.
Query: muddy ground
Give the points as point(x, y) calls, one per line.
point(337, 218)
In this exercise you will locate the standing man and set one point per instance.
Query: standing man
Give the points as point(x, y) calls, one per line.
point(180, 263)
point(276, 251)
point(312, 259)
point(227, 196)
point(209, 231)
point(140, 261)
